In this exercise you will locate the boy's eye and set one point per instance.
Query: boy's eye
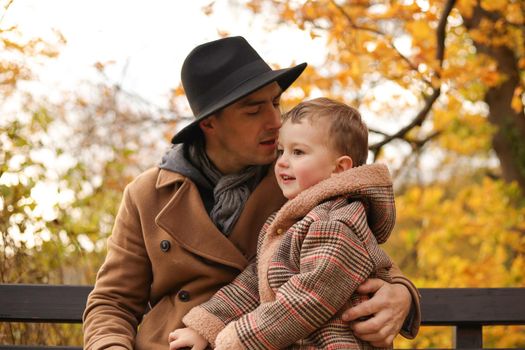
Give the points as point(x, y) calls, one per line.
point(279, 152)
point(297, 152)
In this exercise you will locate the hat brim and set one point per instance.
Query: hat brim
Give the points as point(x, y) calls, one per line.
point(284, 77)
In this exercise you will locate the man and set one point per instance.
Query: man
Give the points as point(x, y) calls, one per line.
point(190, 226)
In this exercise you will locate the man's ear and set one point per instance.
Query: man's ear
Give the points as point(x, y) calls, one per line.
point(206, 124)
point(343, 163)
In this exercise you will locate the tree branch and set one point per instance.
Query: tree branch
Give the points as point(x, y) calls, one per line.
point(6, 7)
point(441, 31)
point(381, 34)
point(417, 121)
point(379, 132)
point(422, 142)
point(429, 100)
point(496, 16)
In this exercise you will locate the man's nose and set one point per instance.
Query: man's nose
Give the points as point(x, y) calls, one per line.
point(274, 118)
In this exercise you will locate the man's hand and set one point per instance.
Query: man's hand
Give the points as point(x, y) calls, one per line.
point(187, 338)
point(388, 309)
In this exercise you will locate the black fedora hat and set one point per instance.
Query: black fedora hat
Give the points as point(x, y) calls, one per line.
point(218, 73)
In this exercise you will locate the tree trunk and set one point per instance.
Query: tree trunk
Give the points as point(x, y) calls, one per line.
point(509, 139)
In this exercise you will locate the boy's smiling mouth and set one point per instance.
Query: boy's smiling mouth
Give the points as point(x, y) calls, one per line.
point(286, 178)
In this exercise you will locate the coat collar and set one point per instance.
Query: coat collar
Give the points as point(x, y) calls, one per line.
point(166, 178)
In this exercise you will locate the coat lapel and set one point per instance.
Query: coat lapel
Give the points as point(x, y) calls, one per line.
point(196, 233)
point(266, 199)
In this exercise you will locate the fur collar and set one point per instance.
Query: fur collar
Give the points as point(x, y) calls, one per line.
point(358, 182)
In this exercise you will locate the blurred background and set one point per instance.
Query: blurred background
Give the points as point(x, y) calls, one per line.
point(90, 96)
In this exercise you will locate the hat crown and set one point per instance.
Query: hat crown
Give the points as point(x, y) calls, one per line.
point(214, 68)
point(218, 73)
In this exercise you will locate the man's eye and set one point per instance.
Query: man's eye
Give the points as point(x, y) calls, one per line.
point(276, 103)
point(253, 110)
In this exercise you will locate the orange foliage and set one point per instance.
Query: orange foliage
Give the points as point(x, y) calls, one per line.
point(458, 226)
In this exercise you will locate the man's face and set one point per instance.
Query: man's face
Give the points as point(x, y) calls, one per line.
point(245, 133)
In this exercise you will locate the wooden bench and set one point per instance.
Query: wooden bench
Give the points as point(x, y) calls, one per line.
point(468, 309)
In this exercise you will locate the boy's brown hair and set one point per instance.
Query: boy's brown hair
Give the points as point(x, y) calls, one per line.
point(348, 133)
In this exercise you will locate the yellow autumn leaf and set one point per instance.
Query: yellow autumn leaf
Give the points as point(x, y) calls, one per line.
point(494, 5)
point(517, 99)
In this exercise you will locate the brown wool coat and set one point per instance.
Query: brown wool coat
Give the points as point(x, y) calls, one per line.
point(165, 256)
point(165, 251)
point(312, 256)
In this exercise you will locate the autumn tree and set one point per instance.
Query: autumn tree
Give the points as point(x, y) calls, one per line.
point(28, 251)
point(63, 167)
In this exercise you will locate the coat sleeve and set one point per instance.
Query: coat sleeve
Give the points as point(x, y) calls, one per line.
point(114, 309)
point(333, 263)
point(413, 321)
point(231, 302)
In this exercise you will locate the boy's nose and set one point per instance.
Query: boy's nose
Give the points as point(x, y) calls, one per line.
point(282, 162)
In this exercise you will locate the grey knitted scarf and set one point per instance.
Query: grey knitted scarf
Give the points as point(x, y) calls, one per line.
point(230, 191)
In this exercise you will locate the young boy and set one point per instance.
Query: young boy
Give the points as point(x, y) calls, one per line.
point(315, 251)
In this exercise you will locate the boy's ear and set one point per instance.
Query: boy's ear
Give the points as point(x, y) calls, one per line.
point(343, 163)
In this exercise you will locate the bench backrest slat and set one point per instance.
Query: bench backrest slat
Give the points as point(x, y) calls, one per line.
point(484, 306)
point(42, 303)
point(440, 306)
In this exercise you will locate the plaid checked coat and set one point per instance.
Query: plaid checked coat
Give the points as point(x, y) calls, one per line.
point(312, 255)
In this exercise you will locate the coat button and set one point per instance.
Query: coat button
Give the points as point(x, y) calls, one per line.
point(184, 295)
point(165, 245)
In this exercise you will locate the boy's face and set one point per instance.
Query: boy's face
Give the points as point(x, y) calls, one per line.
point(305, 156)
